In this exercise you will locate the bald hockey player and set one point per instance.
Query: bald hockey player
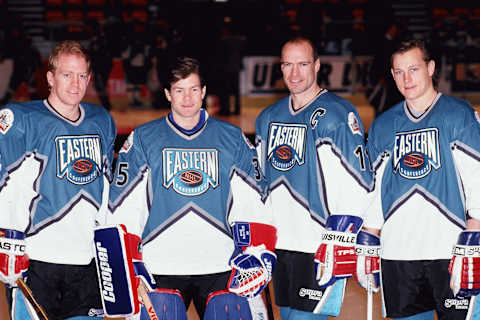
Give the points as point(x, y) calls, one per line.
point(311, 146)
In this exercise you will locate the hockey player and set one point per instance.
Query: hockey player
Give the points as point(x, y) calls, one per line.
point(183, 185)
point(55, 166)
point(426, 155)
point(311, 146)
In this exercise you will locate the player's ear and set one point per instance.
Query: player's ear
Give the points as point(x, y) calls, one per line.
point(317, 65)
point(50, 78)
point(431, 67)
point(204, 91)
point(167, 94)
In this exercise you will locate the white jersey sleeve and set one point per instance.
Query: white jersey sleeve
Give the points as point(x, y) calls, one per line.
point(129, 201)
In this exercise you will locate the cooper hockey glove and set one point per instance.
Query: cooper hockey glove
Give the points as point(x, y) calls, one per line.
point(368, 261)
point(336, 258)
point(252, 268)
point(120, 270)
point(14, 261)
point(464, 267)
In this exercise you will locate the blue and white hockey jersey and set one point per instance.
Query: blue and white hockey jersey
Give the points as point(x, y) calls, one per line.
point(53, 176)
point(315, 163)
point(427, 178)
point(181, 193)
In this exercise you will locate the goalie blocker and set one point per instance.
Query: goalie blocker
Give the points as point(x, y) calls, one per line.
point(116, 275)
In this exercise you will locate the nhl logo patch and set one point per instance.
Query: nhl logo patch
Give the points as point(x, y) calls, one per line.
point(6, 120)
point(477, 116)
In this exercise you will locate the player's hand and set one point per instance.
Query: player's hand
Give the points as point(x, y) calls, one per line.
point(464, 267)
point(368, 261)
point(253, 259)
point(141, 271)
point(336, 257)
point(13, 259)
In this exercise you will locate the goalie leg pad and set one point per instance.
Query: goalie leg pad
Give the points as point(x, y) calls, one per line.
point(115, 272)
point(168, 304)
point(226, 305)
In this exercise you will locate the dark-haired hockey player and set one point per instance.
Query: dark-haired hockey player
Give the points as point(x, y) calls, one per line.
point(311, 146)
point(426, 155)
point(55, 165)
point(188, 189)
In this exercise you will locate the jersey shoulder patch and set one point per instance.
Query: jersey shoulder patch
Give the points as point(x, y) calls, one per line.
point(354, 124)
point(6, 120)
point(127, 145)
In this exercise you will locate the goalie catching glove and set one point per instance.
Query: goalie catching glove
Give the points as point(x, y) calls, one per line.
point(464, 267)
point(254, 258)
point(13, 259)
point(336, 258)
point(368, 261)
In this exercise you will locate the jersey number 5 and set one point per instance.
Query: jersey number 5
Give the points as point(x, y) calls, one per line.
point(122, 174)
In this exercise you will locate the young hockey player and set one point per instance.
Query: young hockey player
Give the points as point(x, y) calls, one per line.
point(187, 187)
point(55, 165)
point(426, 155)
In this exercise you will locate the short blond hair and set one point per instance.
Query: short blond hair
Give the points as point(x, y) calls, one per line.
point(68, 47)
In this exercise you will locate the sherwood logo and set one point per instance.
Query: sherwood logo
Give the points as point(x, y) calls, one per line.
point(457, 303)
point(105, 273)
point(311, 293)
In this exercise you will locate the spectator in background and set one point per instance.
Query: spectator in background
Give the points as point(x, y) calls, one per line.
point(26, 61)
point(159, 60)
point(233, 45)
point(384, 92)
point(136, 65)
point(102, 62)
point(225, 65)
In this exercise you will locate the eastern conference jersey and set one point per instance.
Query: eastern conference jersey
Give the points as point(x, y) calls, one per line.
point(315, 163)
point(427, 178)
point(52, 177)
point(181, 193)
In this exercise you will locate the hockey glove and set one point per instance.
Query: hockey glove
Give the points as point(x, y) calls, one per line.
point(368, 261)
point(252, 268)
point(141, 271)
point(120, 270)
point(13, 259)
point(336, 257)
point(464, 267)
